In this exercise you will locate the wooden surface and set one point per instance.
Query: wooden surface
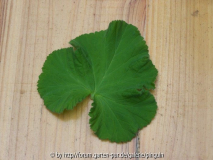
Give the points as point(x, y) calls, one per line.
point(179, 34)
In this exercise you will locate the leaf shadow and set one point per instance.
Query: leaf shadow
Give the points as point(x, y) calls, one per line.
point(153, 91)
point(75, 113)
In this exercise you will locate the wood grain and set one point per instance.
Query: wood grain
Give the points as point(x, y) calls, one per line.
point(180, 39)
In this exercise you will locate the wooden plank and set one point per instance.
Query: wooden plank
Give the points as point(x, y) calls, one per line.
point(30, 31)
point(180, 38)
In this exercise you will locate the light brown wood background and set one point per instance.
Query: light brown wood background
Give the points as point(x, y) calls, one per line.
point(179, 34)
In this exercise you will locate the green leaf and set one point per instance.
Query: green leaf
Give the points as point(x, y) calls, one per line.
point(112, 66)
